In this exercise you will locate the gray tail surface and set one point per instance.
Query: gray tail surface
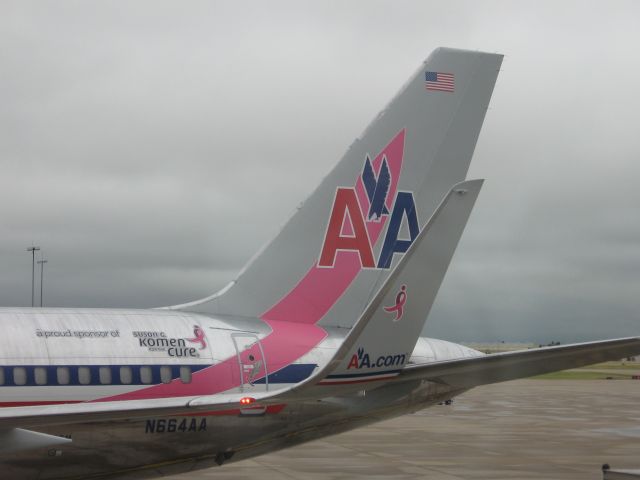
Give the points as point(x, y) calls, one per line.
point(326, 264)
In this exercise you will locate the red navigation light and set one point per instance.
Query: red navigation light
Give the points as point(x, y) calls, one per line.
point(247, 400)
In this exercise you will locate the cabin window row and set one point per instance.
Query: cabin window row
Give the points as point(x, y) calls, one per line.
point(94, 375)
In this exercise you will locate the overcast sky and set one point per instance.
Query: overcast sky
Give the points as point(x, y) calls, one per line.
point(141, 144)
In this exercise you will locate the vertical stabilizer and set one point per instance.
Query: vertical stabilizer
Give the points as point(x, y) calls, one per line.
point(327, 262)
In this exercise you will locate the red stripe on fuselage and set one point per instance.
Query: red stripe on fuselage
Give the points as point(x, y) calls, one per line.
point(35, 404)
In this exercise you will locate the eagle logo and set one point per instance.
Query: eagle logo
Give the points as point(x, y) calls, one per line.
point(377, 188)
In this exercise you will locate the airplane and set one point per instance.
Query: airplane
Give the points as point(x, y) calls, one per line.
point(320, 333)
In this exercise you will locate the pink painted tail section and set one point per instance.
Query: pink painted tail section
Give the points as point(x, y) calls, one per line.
point(320, 288)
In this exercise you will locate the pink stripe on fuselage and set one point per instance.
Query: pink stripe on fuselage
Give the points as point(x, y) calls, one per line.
point(286, 343)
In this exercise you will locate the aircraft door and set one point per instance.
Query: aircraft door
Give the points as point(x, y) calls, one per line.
point(252, 363)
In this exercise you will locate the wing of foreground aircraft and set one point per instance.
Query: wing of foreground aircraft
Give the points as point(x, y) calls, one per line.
point(500, 367)
point(464, 373)
point(420, 271)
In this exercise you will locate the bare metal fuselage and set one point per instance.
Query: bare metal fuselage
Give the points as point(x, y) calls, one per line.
point(55, 341)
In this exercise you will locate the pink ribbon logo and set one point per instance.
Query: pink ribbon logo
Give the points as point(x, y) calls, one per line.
point(401, 299)
point(199, 337)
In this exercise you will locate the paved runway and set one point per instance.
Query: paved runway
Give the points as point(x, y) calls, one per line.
point(527, 429)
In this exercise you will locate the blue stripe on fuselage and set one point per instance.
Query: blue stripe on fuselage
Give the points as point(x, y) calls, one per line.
point(7, 376)
point(290, 374)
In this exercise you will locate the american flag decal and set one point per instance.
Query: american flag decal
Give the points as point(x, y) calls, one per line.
point(442, 82)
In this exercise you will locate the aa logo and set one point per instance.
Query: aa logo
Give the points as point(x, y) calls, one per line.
point(361, 359)
point(358, 213)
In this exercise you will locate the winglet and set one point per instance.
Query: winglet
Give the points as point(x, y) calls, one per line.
point(382, 340)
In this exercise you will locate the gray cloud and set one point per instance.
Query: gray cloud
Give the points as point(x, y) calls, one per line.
point(141, 144)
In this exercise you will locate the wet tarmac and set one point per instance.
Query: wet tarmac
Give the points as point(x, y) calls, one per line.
point(527, 429)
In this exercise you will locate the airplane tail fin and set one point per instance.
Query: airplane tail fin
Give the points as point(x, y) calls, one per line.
point(327, 262)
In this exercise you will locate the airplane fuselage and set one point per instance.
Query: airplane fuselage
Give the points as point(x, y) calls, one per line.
point(53, 356)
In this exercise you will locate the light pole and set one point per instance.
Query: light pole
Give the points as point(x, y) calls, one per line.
point(41, 263)
point(33, 251)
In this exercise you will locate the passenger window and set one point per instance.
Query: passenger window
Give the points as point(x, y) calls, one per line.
point(40, 374)
point(165, 374)
point(146, 375)
point(1, 375)
point(63, 375)
point(105, 375)
point(126, 375)
point(20, 375)
point(84, 375)
point(185, 374)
